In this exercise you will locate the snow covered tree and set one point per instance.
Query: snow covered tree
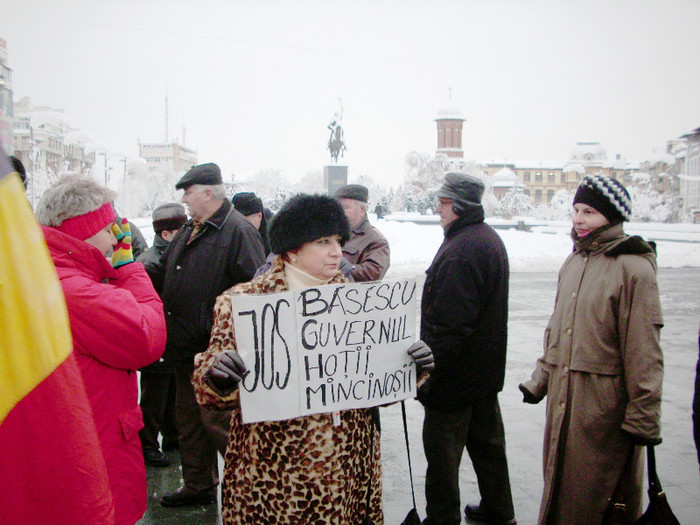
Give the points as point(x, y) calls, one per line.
point(513, 203)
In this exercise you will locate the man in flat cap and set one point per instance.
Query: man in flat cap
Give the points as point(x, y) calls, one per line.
point(157, 380)
point(464, 314)
point(251, 207)
point(367, 249)
point(216, 249)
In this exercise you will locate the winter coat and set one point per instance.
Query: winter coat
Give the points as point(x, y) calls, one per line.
point(601, 371)
point(117, 324)
point(150, 257)
point(302, 470)
point(368, 250)
point(464, 315)
point(154, 253)
point(226, 250)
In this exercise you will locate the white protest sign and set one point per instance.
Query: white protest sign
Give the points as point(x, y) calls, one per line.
point(324, 349)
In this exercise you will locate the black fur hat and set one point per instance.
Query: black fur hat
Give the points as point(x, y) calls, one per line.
point(305, 218)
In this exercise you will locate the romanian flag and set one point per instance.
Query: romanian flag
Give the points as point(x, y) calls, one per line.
point(51, 464)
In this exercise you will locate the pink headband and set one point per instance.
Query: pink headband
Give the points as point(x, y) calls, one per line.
point(88, 224)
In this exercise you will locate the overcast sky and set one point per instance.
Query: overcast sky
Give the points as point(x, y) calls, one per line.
point(255, 83)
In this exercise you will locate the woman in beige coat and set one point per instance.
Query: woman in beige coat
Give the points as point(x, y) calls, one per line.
point(602, 366)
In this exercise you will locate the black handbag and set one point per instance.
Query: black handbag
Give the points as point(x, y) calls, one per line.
point(412, 518)
point(658, 512)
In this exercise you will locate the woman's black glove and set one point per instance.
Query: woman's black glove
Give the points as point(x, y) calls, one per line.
point(226, 372)
point(641, 441)
point(528, 397)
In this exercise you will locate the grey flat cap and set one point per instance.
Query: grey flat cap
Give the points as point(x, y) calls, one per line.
point(353, 191)
point(461, 186)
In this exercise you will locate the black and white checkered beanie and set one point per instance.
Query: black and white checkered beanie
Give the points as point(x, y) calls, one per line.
point(606, 195)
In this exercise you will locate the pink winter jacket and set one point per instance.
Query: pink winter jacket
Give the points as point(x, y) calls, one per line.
point(118, 326)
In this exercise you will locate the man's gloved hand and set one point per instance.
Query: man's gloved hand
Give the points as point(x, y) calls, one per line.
point(528, 397)
point(422, 355)
point(227, 371)
point(122, 253)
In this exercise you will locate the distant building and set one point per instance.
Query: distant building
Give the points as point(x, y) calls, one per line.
point(505, 180)
point(6, 109)
point(689, 180)
point(44, 140)
point(449, 129)
point(543, 178)
point(167, 157)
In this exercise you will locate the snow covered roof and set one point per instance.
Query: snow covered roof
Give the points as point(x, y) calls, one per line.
point(588, 151)
point(574, 166)
point(539, 164)
point(450, 110)
point(662, 158)
point(505, 178)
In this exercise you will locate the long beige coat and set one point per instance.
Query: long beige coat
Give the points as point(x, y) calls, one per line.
point(299, 471)
point(602, 372)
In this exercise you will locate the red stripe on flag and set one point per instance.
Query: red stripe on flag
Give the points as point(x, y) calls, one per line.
point(51, 464)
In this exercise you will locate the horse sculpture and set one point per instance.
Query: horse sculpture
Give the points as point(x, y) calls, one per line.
point(336, 144)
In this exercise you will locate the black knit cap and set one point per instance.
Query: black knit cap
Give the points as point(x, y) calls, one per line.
point(353, 191)
point(606, 195)
point(247, 203)
point(208, 174)
point(305, 218)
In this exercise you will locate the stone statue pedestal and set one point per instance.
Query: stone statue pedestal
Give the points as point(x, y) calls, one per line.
point(334, 178)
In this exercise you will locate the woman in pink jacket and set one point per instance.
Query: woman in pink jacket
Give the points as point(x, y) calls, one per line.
point(117, 324)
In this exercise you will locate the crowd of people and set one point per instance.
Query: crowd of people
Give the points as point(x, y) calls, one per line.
point(165, 311)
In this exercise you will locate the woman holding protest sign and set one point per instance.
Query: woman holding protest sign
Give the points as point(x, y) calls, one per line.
point(320, 468)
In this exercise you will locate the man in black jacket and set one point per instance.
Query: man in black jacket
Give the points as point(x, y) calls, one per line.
point(215, 250)
point(157, 380)
point(465, 322)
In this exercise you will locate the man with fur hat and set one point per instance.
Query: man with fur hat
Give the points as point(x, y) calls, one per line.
point(367, 249)
point(216, 249)
point(465, 322)
point(158, 380)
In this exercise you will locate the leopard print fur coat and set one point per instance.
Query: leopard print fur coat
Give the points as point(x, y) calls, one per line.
point(298, 471)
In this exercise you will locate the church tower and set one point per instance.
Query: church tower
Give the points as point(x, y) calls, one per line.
point(449, 128)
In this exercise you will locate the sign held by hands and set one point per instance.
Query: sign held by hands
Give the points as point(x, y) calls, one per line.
point(324, 349)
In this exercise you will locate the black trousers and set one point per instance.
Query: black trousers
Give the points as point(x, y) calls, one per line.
point(158, 407)
point(479, 429)
point(198, 452)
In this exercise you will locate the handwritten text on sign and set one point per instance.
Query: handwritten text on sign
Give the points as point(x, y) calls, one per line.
point(324, 349)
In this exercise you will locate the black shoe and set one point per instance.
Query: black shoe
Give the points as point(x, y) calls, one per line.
point(155, 458)
point(475, 513)
point(170, 445)
point(184, 497)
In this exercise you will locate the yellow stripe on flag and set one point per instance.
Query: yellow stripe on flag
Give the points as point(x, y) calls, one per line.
point(34, 329)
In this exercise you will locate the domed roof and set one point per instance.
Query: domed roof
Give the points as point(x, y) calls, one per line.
point(450, 110)
point(505, 178)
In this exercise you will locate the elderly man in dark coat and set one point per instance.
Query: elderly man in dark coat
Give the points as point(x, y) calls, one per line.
point(465, 322)
point(213, 251)
point(367, 249)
